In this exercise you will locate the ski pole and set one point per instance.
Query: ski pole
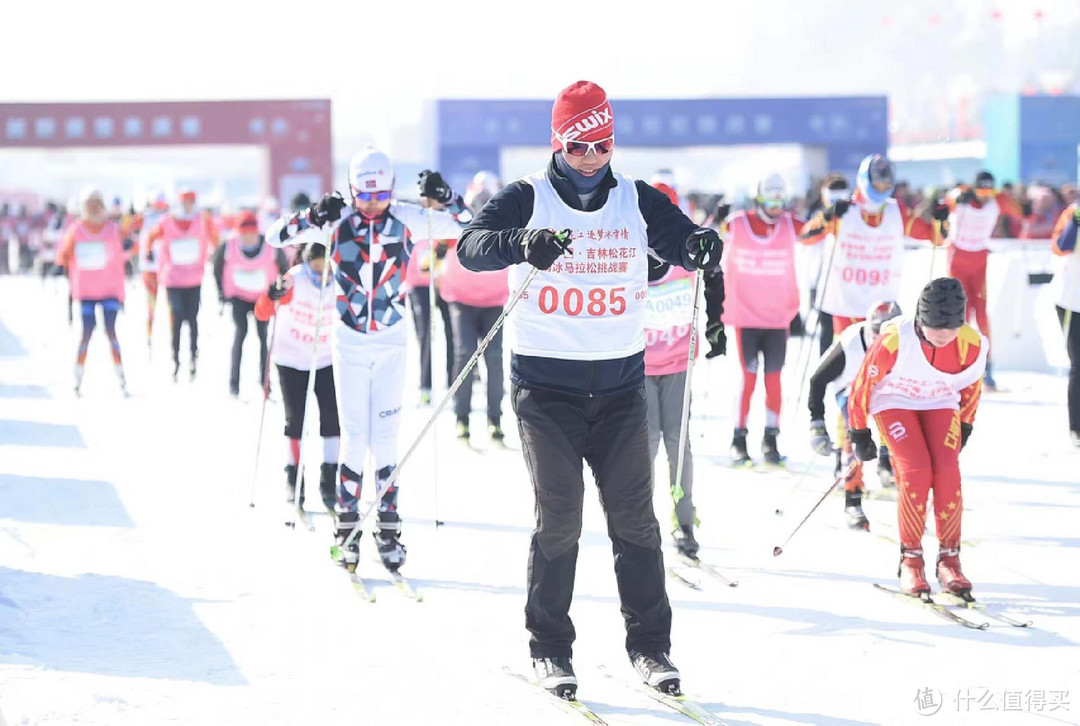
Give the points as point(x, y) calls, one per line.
point(792, 405)
point(432, 304)
point(262, 413)
point(779, 550)
point(798, 483)
point(684, 425)
point(934, 247)
point(442, 404)
point(298, 493)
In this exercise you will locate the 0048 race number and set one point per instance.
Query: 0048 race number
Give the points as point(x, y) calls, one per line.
point(597, 302)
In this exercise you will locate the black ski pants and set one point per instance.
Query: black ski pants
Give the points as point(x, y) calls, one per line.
point(611, 433)
point(421, 311)
point(184, 307)
point(240, 311)
point(1072, 344)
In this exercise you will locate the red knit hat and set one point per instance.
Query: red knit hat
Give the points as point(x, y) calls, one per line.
point(581, 113)
point(247, 220)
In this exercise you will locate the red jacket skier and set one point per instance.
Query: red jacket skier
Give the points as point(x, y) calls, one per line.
point(921, 381)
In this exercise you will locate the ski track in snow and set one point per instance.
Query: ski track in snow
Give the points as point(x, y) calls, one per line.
point(137, 586)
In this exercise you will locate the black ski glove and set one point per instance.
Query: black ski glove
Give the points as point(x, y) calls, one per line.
point(1026, 208)
point(965, 434)
point(541, 247)
point(836, 210)
point(441, 248)
point(150, 255)
point(940, 211)
point(723, 209)
point(714, 333)
point(863, 443)
point(705, 248)
point(327, 209)
point(277, 290)
point(819, 438)
point(967, 197)
point(433, 186)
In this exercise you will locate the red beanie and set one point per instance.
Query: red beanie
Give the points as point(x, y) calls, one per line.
point(581, 113)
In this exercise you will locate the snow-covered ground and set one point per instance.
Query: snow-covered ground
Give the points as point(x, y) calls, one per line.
point(138, 587)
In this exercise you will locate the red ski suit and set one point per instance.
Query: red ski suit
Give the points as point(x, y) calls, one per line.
point(925, 445)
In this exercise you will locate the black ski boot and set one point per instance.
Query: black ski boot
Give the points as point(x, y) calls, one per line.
point(461, 430)
point(768, 447)
point(290, 485)
point(387, 538)
point(495, 432)
point(739, 454)
point(557, 676)
point(856, 519)
point(685, 543)
point(657, 671)
point(884, 468)
point(191, 367)
point(328, 481)
point(176, 369)
point(347, 555)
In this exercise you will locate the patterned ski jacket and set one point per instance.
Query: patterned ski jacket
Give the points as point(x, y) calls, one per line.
point(370, 256)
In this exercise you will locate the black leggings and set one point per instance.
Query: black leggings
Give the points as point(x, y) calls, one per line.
point(1072, 344)
point(240, 312)
point(421, 305)
point(294, 394)
point(184, 307)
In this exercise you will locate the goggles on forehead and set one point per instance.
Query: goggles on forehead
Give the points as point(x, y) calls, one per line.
point(372, 196)
point(771, 203)
point(582, 148)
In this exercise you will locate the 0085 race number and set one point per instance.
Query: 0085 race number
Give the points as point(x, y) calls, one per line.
point(597, 302)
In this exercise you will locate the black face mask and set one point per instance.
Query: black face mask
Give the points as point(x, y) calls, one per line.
point(582, 184)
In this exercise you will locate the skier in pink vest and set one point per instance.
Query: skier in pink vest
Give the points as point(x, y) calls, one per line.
point(762, 298)
point(476, 299)
point(181, 242)
point(93, 252)
point(667, 346)
point(244, 267)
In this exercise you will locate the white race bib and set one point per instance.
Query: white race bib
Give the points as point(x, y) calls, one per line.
point(184, 251)
point(670, 304)
point(250, 280)
point(90, 255)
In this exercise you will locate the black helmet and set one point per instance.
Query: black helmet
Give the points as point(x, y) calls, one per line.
point(984, 180)
point(301, 201)
point(879, 313)
point(314, 250)
point(942, 304)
